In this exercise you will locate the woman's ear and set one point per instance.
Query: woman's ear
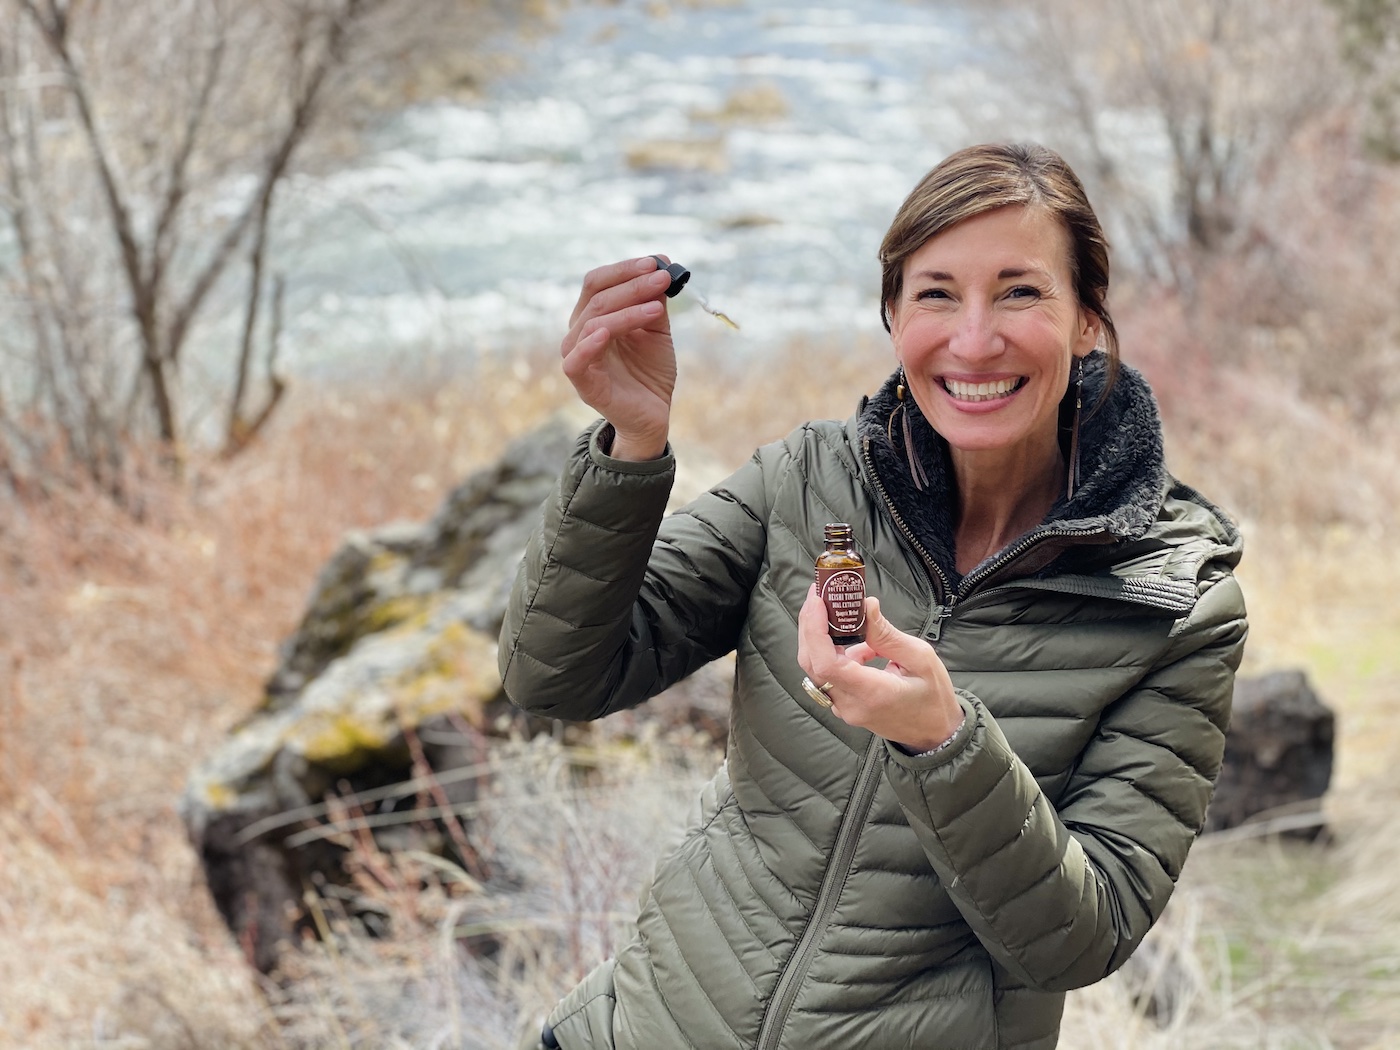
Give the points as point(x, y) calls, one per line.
point(1091, 325)
point(892, 314)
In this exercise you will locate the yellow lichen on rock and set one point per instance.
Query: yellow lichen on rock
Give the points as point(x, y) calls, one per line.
point(219, 796)
point(383, 561)
point(402, 610)
point(340, 740)
point(458, 676)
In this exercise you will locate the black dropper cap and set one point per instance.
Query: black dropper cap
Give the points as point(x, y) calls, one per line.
point(679, 275)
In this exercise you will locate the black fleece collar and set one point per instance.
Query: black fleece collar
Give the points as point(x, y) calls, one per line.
point(1123, 475)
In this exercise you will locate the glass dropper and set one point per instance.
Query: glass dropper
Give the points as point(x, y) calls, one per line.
point(679, 276)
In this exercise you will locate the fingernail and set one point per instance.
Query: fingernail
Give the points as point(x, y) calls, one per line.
point(647, 265)
point(679, 276)
point(652, 308)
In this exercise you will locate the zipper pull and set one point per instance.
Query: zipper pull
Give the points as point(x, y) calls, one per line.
point(934, 628)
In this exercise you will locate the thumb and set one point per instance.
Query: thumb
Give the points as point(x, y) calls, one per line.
point(885, 639)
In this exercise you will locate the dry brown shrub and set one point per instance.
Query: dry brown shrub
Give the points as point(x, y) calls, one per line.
point(128, 647)
point(1248, 437)
point(570, 835)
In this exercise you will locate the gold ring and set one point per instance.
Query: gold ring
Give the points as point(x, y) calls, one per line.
point(817, 692)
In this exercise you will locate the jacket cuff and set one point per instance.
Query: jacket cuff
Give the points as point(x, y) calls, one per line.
point(945, 752)
point(601, 439)
point(619, 496)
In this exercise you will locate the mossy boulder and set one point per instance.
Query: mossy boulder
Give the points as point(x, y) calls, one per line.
point(391, 674)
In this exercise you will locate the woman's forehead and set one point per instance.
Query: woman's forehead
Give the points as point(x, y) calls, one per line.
point(1010, 236)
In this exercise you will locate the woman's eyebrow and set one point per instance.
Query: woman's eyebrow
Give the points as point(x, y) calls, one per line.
point(1008, 274)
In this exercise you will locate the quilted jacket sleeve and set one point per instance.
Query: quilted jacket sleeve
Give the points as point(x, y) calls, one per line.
point(611, 606)
point(1061, 898)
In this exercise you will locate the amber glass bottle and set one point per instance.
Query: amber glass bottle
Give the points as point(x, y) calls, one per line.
point(841, 585)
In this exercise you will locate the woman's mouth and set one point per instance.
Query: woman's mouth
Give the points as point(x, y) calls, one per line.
point(989, 391)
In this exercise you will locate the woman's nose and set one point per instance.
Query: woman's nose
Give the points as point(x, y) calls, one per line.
point(976, 336)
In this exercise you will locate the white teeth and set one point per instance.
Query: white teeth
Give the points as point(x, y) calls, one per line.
point(980, 391)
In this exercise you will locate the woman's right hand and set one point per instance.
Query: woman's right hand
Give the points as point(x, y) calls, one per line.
point(619, 355)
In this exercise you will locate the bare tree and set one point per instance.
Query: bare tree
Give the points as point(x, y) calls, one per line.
point(142, 149)
point(1218, 87)
point(1223, 142)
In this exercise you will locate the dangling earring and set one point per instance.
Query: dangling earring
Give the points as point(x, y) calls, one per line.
point(916, 468)
point(1072, 481)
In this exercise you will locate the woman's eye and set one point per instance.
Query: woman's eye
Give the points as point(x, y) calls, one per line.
point(932, 293)
point(1024, 291)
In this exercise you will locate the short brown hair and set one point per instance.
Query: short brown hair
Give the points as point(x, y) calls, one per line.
point(979, 179)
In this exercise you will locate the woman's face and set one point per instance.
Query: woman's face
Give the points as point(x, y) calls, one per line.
point(987, 327)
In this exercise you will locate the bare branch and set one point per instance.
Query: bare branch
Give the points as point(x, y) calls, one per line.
point(177, 187)
point(1223, 85)
point(122, 129)
point(55, 30)
point(274, 168)
point(235, 425)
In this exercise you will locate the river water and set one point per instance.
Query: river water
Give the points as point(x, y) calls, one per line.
point(466, 229)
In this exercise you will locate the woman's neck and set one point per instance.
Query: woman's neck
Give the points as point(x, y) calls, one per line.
point(1002, 494)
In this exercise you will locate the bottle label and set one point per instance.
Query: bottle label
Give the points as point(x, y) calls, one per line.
point(843, 591)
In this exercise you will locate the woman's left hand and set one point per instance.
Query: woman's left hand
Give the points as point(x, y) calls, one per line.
point(909, 701)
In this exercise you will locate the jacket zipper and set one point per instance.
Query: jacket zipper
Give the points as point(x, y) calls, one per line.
point(833, 882)
point(1010, 554)
point(942, 588)
point(947, 596)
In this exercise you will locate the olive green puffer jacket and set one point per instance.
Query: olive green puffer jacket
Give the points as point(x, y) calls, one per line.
point(834, 891)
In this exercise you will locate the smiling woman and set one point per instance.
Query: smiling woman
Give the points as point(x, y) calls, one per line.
point(987, 331)
point(988, 800)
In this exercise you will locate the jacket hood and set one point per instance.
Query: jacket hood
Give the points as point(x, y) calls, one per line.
point(1123, 476)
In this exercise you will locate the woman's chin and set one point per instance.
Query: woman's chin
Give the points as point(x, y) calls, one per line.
point(982, 431)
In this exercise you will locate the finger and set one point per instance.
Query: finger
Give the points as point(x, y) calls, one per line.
point(584, 367)
point(883, 638)
point(880, 634)
point(602, 277)
point(629, 319)
point(620, 322)
point(605, 307)
point(586, 352)
point(640, 275)
point(816, 652)
point(909, 655)
point(861, 653)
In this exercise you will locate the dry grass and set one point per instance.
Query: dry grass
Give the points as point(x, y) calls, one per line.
point(1280, 944)
point(572, 835)
point(127, 648)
